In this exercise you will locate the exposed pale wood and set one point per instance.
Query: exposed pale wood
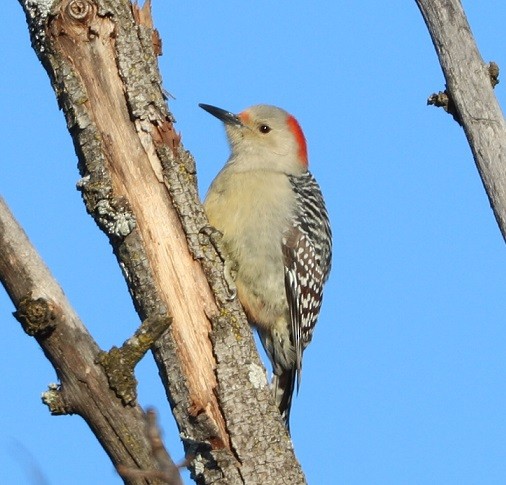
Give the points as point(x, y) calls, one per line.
point(136, 177)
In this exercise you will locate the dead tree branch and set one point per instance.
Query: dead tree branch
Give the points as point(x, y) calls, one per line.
point(46, 314)
point(468, 84)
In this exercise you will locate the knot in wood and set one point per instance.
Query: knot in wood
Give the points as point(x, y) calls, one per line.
point(36, 316)
point(493, 70)
point(80, 10)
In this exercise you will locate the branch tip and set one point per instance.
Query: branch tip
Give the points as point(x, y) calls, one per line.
point(53, 399)
point(119, 363)
point(442, 99)
point(493, 70)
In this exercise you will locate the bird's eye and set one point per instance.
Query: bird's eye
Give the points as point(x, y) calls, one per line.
point(264, 129)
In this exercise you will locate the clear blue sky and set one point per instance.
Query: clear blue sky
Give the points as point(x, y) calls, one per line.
point(405, 381)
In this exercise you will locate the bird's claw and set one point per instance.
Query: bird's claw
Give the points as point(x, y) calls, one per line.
point(229, 271)
point(229, 274)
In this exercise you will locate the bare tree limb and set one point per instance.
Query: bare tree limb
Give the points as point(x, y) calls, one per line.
point(46, 314)
point(468, 83)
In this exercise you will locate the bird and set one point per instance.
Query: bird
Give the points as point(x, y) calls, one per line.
point(275, 234)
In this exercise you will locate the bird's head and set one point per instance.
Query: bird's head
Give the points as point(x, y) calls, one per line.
point(264, 137)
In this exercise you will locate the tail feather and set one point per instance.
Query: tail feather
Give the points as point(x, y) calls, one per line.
point(283, 387)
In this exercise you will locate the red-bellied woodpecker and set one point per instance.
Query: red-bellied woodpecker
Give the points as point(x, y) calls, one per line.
point(276, 235)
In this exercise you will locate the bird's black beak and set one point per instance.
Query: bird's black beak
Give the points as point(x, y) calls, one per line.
point(226, 116)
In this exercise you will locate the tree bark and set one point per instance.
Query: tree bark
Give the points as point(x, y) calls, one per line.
point(469, 87)
point(46, 314)
point(139, 184)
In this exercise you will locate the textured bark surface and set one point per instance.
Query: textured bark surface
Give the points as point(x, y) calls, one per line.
point(468, 85)
point(46, 314)
point(139, 184)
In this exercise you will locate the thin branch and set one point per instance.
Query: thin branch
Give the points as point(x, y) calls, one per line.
point(119, 363)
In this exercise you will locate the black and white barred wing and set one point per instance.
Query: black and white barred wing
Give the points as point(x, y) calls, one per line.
point(304, 288)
